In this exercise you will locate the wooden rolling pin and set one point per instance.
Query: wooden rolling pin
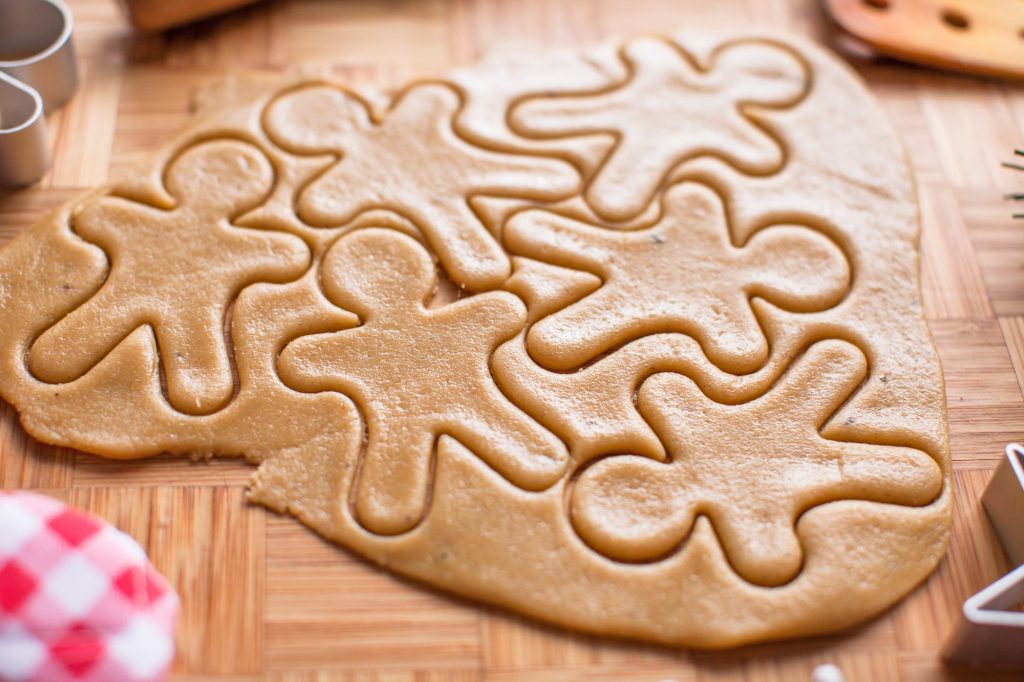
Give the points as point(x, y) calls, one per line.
point(156, 15)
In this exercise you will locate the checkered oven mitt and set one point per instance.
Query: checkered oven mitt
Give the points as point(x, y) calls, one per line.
point(79, 600)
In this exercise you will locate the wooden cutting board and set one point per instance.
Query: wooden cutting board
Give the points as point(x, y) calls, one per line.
point(264, 599)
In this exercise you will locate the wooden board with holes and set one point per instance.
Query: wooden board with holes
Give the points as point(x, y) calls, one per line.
point(976, 37)
point(265, 599)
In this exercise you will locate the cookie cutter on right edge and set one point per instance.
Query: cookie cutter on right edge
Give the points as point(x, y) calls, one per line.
point(38, 74)
point(990, 629)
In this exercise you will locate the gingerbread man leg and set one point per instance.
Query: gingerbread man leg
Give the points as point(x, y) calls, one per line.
point(513, 443)
point(395, 476)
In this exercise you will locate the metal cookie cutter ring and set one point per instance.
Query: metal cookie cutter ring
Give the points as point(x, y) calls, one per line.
point(37, 74)
point(991, 629)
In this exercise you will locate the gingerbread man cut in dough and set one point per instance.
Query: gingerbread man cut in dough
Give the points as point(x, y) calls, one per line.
point(752, 468)
point(417, 374)
point(682, 275)
point(412, 162)
point(178, 272)
point(668, 110)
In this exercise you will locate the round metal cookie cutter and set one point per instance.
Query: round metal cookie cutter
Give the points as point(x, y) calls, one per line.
point(38, 73)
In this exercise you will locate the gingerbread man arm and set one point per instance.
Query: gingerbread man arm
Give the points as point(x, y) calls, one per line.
point(552, 238)
point(470, 255)
point(592, 410)
point(70, 348)
point(319, 362)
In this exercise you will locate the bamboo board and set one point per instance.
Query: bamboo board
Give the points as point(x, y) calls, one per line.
point(264, 599)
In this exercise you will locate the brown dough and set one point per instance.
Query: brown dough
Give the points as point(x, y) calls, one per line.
point(633, 509)
point(443, 386)
point(432, 182)
point(688, 111)
point(633, 344)
point(680, 275)
point(156, 255)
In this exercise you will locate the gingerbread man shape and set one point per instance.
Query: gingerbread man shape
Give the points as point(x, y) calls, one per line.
point(667, 110)
point(417, 374)
point(176, 271)
point(683, 274)
point(636, 509)
point(412, 162)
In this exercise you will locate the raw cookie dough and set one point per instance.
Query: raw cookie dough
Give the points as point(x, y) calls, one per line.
point(628, 340)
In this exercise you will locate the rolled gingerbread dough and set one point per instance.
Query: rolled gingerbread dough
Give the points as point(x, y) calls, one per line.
point(628, 340)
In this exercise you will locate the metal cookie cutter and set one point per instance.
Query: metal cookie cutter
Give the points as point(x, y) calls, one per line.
point(38, 73)
point(992, 629)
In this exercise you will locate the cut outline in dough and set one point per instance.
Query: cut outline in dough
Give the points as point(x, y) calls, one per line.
point(571, 584)
point(399, 310)
point(770, 393)
point(520, 239)
point(373, 120)
point(699, 69)
point(204, 210)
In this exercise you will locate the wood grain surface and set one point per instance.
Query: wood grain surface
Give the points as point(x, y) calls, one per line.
point(264, 599)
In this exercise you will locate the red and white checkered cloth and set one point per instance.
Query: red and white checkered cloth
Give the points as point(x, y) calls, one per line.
point(79, 600)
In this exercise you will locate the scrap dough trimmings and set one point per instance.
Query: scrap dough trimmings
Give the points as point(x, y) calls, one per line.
point(563, 274)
